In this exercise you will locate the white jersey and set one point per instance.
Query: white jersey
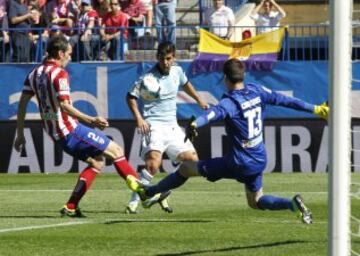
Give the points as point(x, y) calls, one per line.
point(163, 109)
point(50, 84)
point(267, 22)
point(219, 20)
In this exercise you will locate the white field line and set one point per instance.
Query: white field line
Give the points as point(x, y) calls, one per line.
point(6, 230)
point(26, 228)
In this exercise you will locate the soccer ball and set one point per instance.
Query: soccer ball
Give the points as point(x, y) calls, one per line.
point(150, 88)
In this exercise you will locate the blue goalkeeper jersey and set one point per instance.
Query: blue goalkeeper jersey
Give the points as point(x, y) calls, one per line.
point(243, 113)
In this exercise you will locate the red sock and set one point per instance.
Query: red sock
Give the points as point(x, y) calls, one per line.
point(85, 180)
point(123, 168)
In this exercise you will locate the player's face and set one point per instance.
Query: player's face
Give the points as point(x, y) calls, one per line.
point(165, 62)
point(66, 56)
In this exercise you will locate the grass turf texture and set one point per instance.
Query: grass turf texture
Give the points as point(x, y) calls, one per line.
point(209, 219)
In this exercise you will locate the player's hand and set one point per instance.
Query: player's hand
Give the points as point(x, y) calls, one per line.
point(190, 132)
point(19, 142)
point(143, 127)
point(100, 122)
point(322, 110)
point(203, 104)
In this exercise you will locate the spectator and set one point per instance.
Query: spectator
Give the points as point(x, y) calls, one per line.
point(4, 35)
point(268, 20)
point(165, 15)
point(220, 19)
point(148, 4)
point(38, 35)
point(62, 13)
point(102, 7)
point(86, 40)
point(111, 37)
point(20, 20)
point(135, 11)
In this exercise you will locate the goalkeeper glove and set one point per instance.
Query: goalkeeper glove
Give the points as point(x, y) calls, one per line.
point(190, 131)
point(322, 110)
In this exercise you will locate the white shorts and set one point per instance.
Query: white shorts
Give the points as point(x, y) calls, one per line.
point(168, 139)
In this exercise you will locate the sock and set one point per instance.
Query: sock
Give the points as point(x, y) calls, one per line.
point(173, 180)
point(123, 168)
point(145, 178)
point(83, 184)
point(272, 203)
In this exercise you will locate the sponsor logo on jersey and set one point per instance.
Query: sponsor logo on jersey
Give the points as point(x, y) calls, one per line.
point(64, 85)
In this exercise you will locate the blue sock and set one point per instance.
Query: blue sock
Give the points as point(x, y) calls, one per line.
point(272, 203)
point(171, 181)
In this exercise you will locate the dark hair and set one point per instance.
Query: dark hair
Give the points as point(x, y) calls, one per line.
point(234, 70)
point(165, 48)
point(56, 44)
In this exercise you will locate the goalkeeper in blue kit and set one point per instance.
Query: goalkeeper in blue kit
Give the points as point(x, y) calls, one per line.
point(242, 108)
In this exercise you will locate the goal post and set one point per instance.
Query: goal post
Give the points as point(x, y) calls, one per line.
point(340, 73)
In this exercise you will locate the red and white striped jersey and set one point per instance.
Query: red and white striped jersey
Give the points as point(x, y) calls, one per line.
point(50, 84)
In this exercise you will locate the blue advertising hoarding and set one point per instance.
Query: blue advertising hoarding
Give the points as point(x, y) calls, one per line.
point(100, 89)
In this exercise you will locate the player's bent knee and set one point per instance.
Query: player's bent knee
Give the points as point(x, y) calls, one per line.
point(96, 163)
point(113, 151)
point(189, 169)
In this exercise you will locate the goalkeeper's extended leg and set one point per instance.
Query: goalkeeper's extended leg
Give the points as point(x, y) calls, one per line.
point(173, 180)
point(269, 202)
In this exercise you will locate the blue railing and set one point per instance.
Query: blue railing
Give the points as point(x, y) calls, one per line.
point(302, 42)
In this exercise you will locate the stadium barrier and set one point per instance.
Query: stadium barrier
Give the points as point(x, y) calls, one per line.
point(302, 42)
point(100, 89)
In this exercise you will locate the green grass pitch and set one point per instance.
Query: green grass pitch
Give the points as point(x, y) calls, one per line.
point(208, 219)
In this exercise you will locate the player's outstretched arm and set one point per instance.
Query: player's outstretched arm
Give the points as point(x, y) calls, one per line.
point(20, 139)
point(142, 126)
point(190, 90)
point(98, 121)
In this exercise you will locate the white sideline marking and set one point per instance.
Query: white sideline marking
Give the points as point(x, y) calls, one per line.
point(6, 230)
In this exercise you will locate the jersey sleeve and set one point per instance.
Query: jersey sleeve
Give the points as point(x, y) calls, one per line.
point(182, 76)
point(275, 98)
point(135, 91)
point(27, 89)
point(62, 86)
point(225, 108)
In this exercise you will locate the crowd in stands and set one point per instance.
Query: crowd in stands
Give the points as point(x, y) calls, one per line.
point(103, 29)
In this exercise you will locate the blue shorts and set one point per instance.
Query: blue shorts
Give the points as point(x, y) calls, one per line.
point(215, 169)
point(85, 142)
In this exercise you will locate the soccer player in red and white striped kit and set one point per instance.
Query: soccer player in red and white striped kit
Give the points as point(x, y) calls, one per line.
point(49, 82)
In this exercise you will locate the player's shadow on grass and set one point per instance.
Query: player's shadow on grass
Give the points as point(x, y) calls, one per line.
point(238, 248)
point(111, 222)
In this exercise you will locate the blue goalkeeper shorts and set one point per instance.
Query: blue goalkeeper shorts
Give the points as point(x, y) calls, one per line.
point(217, 168)
point(84, 142)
